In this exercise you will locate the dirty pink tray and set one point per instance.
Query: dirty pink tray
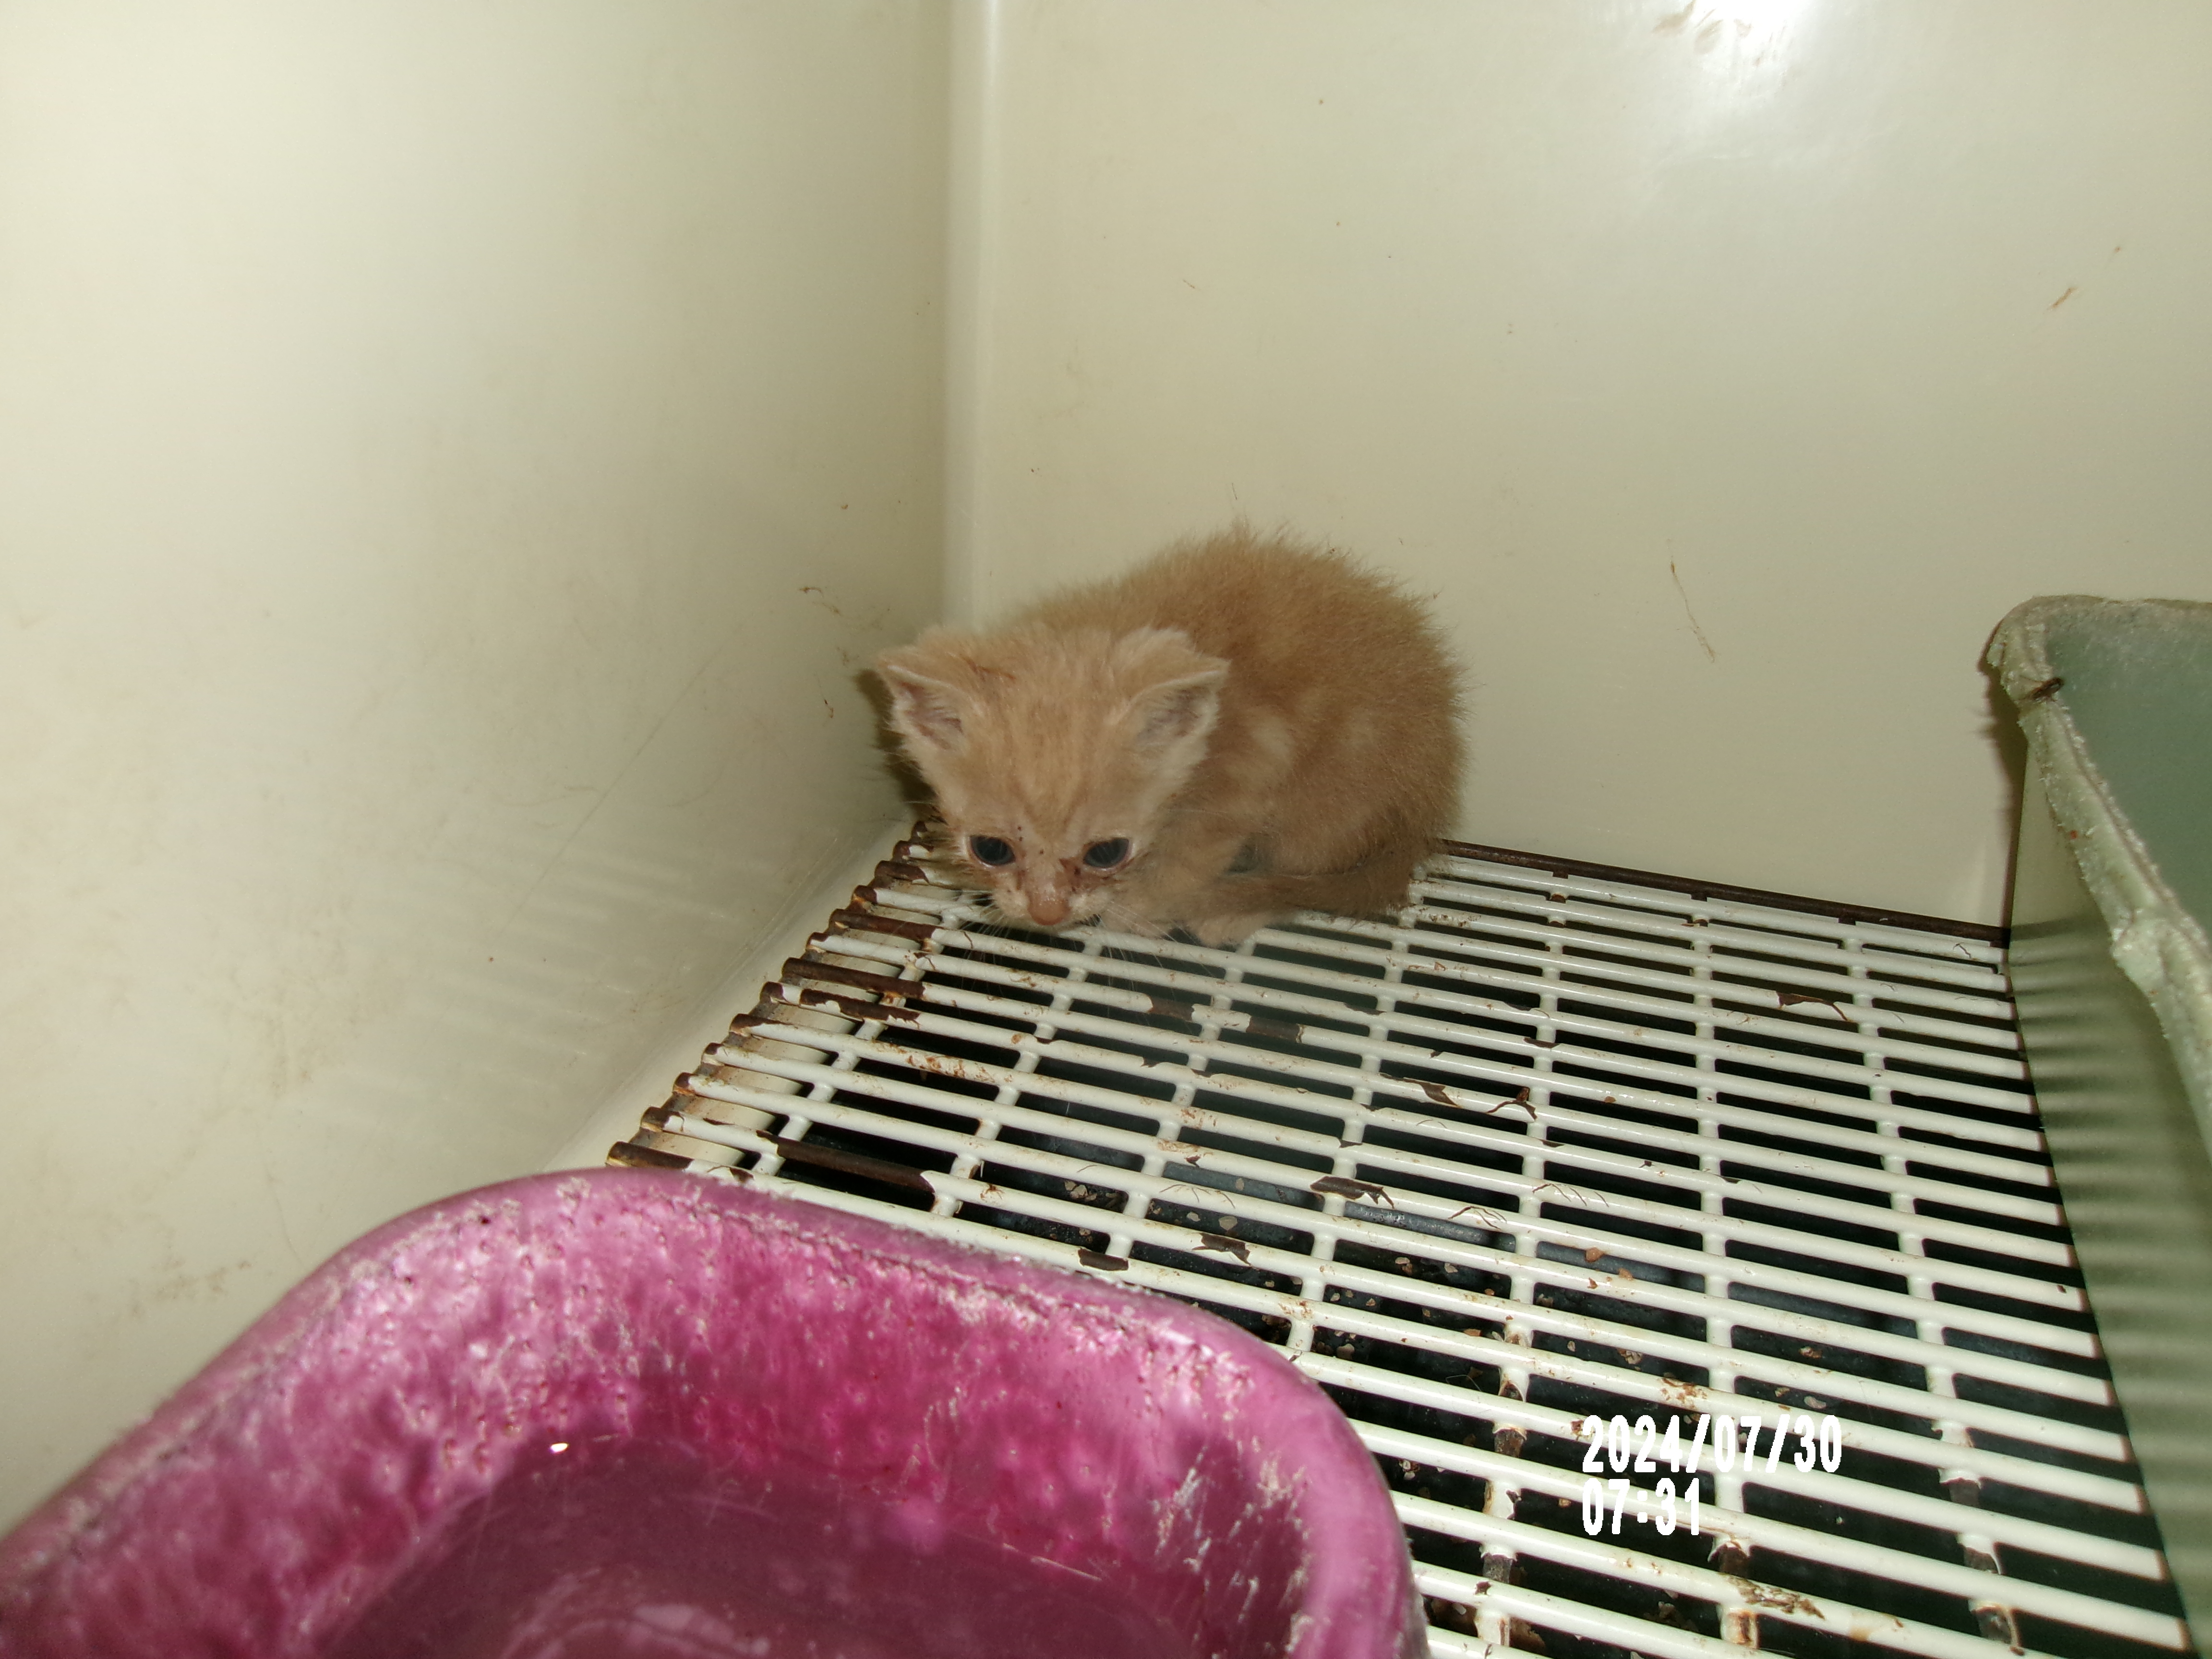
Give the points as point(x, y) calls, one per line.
point(649, 1415)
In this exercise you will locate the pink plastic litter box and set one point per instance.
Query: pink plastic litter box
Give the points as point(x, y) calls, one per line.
point(626, 1412)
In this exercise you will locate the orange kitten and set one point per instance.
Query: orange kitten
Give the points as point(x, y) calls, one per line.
point(1237, 730)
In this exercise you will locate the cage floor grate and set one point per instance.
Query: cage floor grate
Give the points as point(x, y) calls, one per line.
point(1556, 1145)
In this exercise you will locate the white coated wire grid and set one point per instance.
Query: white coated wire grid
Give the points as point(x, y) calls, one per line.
point(1553, 1143)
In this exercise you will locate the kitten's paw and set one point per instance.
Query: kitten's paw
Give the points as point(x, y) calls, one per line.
point(1220, 931)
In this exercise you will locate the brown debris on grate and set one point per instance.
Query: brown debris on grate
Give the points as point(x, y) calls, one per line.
point(1556, 1143)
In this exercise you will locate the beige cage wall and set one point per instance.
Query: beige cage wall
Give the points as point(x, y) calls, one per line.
point(457, 461)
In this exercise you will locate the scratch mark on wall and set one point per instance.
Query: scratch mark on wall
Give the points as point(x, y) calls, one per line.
point(607, 793)
point(2064, 297)
point(1711, 655)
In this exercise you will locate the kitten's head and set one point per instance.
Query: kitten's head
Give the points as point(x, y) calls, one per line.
point(1052, 754)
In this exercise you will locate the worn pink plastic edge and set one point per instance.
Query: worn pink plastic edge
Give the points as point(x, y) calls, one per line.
point(643, 1302)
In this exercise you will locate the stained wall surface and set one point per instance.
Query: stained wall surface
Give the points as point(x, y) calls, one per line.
point(452, 460)
point(1726, 368)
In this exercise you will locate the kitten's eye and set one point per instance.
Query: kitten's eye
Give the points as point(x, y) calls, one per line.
point(1105, 855)
point(989, 849)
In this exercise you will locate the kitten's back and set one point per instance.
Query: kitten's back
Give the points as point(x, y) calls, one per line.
point(1332, 667)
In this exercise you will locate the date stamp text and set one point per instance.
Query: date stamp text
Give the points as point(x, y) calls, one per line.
point(1620, 1448)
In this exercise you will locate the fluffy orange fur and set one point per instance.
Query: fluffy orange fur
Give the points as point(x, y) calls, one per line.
point(1239, 729)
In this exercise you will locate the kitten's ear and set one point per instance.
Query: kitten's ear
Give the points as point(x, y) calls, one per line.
point(1179, 691)
point(1178, 710)
point(924, 711)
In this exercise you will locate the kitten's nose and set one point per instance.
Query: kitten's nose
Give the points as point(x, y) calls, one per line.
point(1048, 909)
